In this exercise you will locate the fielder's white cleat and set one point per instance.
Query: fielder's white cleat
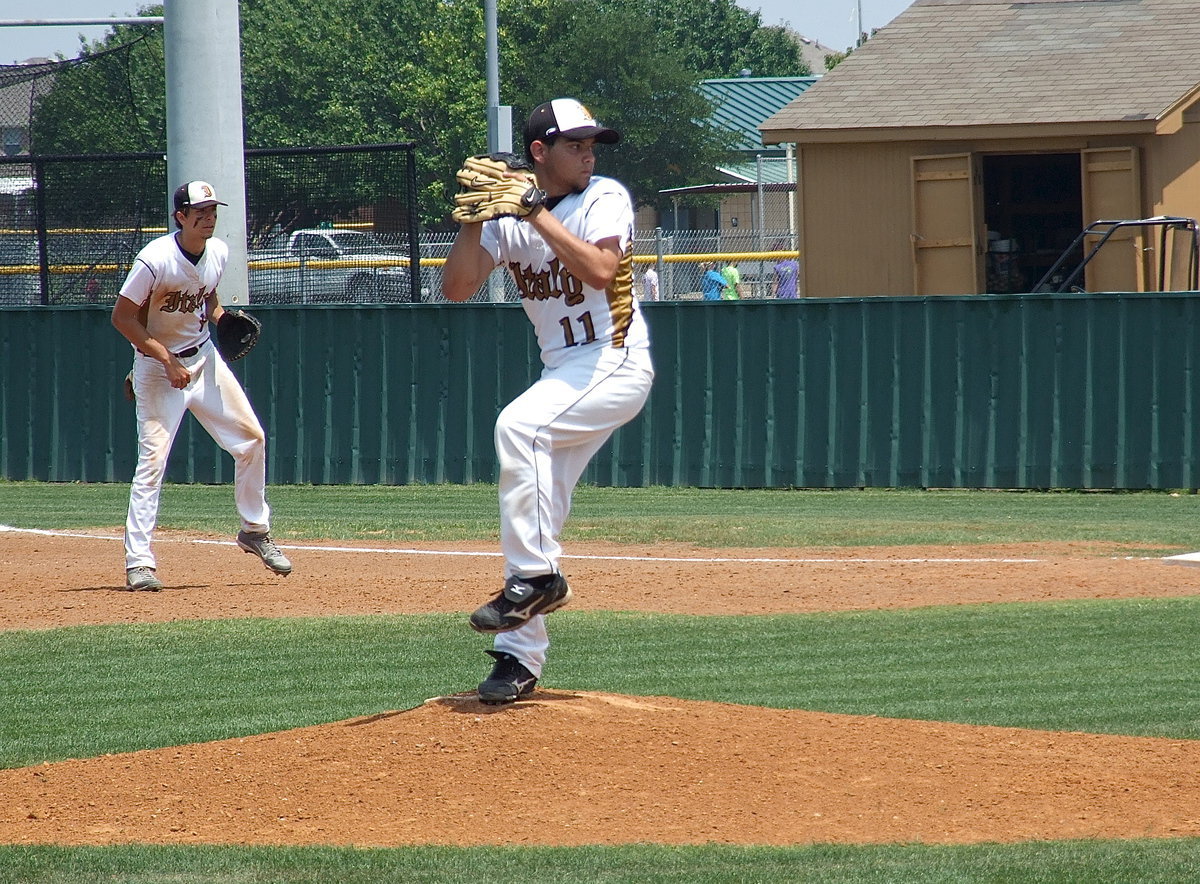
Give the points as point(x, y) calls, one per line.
point(264, 547)
point(142, 579)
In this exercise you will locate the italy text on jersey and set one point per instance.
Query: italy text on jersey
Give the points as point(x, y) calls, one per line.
point(553, 281)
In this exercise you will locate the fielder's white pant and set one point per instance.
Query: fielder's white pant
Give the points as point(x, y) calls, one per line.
point(219, 403)
point(545, 438)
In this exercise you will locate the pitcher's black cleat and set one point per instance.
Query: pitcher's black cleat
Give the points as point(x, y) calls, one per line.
point(521, 599)
point(509, 681)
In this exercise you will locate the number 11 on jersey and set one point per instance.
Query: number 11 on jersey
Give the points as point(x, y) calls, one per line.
point(589, 330)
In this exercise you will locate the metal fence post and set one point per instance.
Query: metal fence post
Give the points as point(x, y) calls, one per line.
point(39, 201)
point(664, 290)
point(759, 225)
point(414, 236)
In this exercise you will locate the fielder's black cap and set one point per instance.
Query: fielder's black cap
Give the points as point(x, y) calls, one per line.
point(196, 195)
point(568, 118)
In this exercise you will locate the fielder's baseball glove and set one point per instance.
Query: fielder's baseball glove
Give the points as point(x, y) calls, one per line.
point(237, 333)
point(496, 185)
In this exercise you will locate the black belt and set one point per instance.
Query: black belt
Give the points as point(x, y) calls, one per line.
point(190, 351)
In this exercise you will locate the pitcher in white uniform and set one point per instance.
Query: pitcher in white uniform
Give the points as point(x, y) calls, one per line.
point(164, 308)
point(572, 260)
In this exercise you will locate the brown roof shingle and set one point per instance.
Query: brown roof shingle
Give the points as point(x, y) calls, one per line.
point(983, 62)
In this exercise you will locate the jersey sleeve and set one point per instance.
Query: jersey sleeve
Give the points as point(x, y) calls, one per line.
point(609, 214)
point(489, 239)
point(138, 283)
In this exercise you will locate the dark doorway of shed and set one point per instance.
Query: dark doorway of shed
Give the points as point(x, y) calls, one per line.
point(1033, 210)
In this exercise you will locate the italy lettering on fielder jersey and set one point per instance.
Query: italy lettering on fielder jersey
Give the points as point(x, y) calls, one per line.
point(568, 315)
point(173, 291)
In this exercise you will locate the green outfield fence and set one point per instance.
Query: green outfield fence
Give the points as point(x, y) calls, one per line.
point(1007, 391)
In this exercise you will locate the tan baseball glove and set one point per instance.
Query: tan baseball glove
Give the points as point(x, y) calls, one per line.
point(496, 185)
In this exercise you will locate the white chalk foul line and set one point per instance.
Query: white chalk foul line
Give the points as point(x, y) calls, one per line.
point(825, 560)
point(1185, 559)
point(1192, 558)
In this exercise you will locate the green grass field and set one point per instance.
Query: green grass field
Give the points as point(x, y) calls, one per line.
point(748, 518)
point(1120, 667)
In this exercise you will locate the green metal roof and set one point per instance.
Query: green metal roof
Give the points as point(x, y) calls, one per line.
point(774, 170)
point(741, 104)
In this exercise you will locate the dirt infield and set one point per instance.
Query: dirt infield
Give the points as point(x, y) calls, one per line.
point(591, 768)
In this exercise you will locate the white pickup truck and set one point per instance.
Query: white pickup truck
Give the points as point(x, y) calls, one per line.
point(316, 265)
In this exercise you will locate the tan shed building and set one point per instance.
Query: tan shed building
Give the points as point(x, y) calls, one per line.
point(969, 143)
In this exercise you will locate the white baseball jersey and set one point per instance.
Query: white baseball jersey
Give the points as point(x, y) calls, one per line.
point(175, 290)
point(173, 293)
point(568, 316)
point(596, 350)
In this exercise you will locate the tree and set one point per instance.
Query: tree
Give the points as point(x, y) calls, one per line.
point(322, 72)
point(110, 102)
point(718, 38)
point(115, 106)
point(363, 71)
point(650, 97)
point(833, 59)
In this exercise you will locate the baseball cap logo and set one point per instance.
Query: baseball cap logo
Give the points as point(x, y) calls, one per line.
point(196, 194)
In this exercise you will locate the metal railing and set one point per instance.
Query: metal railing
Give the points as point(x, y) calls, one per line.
point(1166, 255)
point(87, 265)
point(677, 256)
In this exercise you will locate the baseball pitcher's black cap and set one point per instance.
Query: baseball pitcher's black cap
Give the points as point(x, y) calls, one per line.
point(568, 118)
point(196, 195)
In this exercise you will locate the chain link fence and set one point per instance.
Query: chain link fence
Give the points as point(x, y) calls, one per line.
point(679, 258)
point(70, 235)
point(65, 238)
point(324, 224)
point(333, 225)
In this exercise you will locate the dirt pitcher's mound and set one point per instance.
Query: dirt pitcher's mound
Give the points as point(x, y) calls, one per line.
point(585, 768)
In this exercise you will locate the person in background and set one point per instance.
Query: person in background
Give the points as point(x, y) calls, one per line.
point(712, 282)
point(164, 310)
point(787, 271)
point(733, 282)
point(650, 284)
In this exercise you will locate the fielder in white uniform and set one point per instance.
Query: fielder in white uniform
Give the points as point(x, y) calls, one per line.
point(572, 261)
point(164, 309)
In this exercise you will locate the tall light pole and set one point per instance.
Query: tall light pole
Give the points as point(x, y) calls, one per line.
point(203, 50)
point(499, 117)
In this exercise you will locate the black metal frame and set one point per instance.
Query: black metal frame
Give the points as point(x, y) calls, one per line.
point(37, 163)
point(1166, 222)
